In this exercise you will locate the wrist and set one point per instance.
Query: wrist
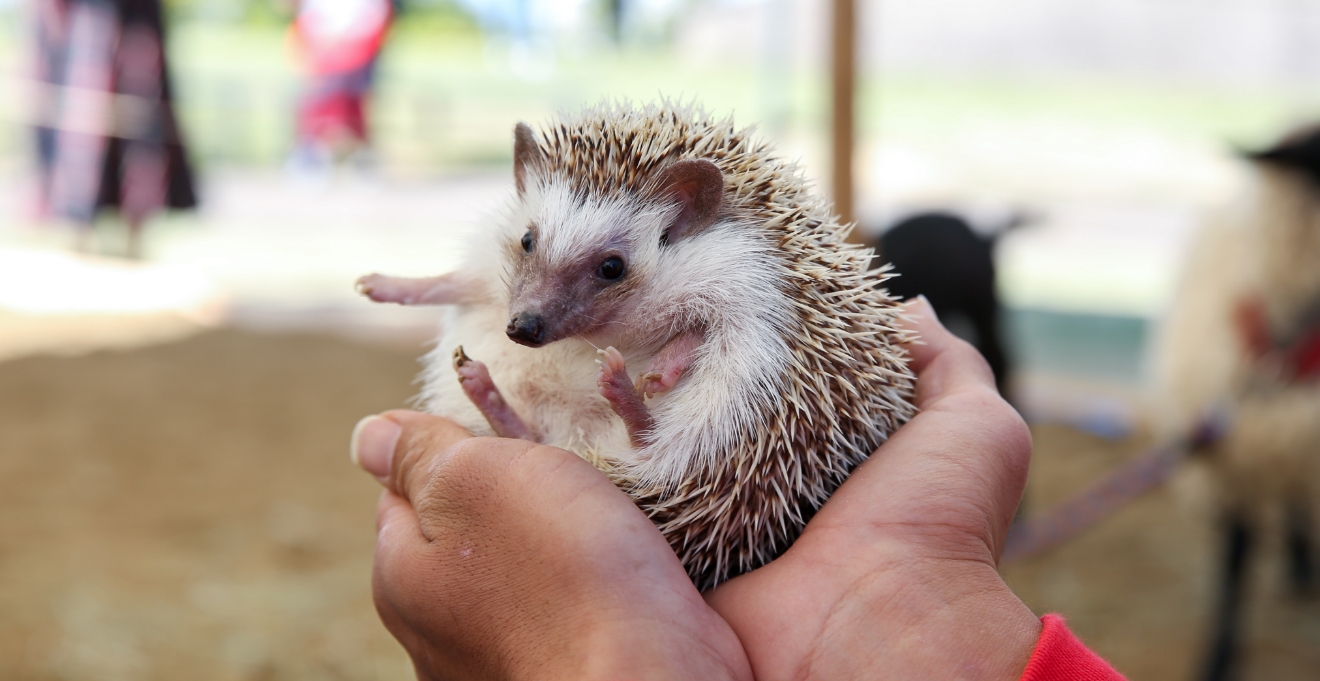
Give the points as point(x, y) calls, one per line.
point(631, 654)
point(624, 642)
point(933, 619)
point(958, 620)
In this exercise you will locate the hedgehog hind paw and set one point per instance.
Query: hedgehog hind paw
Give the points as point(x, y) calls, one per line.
point(446, 289)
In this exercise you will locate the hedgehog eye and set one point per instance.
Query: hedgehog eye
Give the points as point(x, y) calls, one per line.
point(527, 241)
point(611, 269)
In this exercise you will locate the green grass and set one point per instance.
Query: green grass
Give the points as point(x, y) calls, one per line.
point(931, 105)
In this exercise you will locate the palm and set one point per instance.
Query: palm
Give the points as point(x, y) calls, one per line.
point(915, 529)
point(500, 557)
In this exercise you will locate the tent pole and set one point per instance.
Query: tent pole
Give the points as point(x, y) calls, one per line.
point(844, 87)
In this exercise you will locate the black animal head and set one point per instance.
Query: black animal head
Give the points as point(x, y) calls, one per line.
point(1299, 151)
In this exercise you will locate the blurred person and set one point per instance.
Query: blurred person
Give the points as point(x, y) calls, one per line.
point(107, 136)
point(1240, 350)
point(338, 42)
point(501, 558)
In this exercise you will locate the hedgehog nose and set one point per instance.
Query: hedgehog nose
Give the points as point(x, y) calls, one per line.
point(527, 329)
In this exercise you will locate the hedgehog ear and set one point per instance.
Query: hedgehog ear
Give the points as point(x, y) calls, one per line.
point(527, 155)
point(697, 186)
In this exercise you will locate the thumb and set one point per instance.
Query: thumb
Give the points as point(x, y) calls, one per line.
point(400, 447)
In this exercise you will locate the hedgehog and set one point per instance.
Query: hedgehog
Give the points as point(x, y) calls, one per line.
point(666, 298)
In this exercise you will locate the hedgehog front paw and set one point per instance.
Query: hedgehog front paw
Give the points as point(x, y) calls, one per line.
point(477, 384)
point(613, 377)
point(611, 365)
point(650, 384)
point(669, 365)
point(622, 396)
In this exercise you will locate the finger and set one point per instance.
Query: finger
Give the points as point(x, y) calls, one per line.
point(961, 462)
point(964, 424)
point(399, 546)
point(371, 446)
point(395, 518)
point(942, 362)
point(400, 447)
point(399, 538)
point(424, 444)
point(919, 316)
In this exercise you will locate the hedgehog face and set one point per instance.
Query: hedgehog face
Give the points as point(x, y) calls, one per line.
point(578, 258)
point(576, 264)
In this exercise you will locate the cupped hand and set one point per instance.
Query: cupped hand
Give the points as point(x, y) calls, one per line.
point(501, 558)
point(895, 577)
point(505, 559)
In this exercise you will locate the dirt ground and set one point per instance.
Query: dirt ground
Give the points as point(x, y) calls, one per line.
point(188, 510)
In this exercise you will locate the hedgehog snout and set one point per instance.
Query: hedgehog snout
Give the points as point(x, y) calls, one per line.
point(527, 329)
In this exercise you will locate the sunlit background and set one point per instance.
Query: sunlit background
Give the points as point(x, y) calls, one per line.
point(1110, 125)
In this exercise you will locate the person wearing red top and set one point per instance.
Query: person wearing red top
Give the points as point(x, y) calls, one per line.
point(339, 42)
point(1059, 656)
point(508, 559)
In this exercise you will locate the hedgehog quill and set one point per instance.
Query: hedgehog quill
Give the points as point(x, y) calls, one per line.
point(667, 299)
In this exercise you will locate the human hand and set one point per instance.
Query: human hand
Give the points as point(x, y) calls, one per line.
point(895, 577)
point(500, 558)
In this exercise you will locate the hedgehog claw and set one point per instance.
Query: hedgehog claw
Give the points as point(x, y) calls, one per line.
point(645, 387)
point(460, 357)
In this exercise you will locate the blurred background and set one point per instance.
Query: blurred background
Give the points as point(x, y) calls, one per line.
point(175, 407)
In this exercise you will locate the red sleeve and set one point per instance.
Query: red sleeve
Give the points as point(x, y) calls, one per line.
point(1059, 656)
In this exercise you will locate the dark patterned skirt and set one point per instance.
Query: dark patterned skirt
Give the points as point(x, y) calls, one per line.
point(107, 134)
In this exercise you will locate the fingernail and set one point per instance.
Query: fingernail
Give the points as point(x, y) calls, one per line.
point(930, 309)
point(373, 443)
